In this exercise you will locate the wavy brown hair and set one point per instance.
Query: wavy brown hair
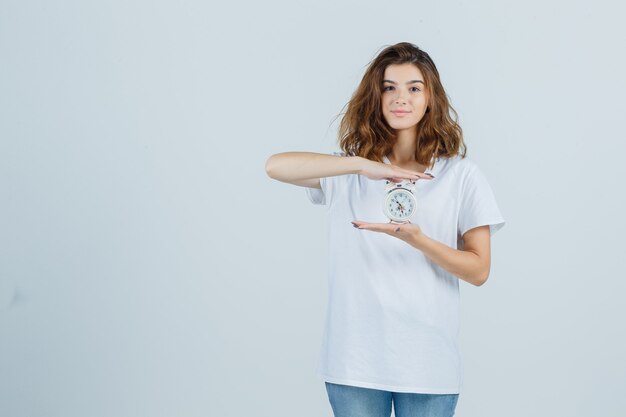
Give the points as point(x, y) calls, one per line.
point(363, 130)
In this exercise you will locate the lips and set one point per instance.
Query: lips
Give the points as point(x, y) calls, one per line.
point(400, 112)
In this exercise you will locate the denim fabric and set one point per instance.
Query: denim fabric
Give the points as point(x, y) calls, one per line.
point(350, 401)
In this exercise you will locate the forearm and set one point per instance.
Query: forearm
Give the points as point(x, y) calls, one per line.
point(463, 264)
point(294, 166)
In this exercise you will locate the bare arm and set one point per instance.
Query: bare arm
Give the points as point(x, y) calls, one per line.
point(472, 264)
point(306, 168)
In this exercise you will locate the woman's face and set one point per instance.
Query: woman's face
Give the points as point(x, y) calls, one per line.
point(403, 90)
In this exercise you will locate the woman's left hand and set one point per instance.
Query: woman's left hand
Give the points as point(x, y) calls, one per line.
point(402, 231)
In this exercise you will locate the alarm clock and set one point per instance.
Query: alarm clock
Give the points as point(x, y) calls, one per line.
point(399, 202)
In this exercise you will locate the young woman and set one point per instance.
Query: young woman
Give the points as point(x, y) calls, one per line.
point(392, 323)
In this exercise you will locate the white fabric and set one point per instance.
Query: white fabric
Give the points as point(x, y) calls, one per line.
point(392, 319)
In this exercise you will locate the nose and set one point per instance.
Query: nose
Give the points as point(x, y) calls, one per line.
point(400, 98)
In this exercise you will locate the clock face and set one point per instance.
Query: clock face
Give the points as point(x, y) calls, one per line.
point(400, 204)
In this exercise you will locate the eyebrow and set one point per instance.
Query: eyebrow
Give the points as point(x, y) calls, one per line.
point(408, 82)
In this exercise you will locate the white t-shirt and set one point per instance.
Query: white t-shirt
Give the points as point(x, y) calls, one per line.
point(392, 319)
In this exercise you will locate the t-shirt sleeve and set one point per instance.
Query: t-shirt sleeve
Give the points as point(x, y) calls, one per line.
point(478, 204)
point(324, 195)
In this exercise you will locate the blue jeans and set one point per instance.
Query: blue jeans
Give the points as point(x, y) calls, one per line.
point(350, 401)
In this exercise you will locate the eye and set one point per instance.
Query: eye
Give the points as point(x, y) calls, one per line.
point(389, 86)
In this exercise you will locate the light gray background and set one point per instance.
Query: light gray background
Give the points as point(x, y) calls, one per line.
point(149, 267)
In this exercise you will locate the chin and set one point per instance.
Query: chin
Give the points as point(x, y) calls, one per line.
point(406, 125)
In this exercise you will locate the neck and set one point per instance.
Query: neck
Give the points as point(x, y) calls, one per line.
point(404, 149)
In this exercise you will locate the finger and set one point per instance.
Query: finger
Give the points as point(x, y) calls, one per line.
point(414, 175)
point(410, 177)
point(421, 175)
point(397, 228)
point(379, 228)
point(404, 175)
point(368, 226)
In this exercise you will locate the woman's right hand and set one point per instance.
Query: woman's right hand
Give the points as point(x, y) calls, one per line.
point(381, 171)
